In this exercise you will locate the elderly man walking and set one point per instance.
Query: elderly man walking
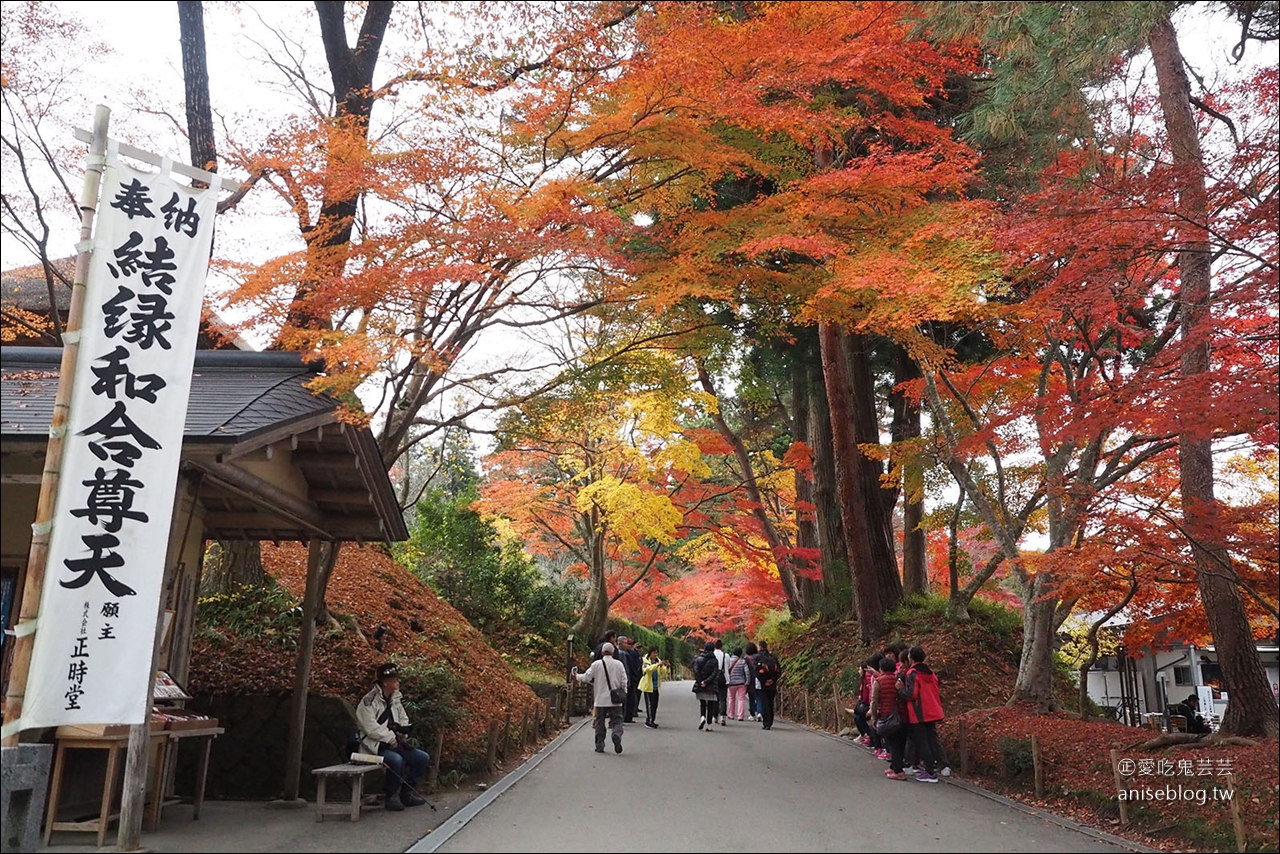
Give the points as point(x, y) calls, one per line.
point(609, 677)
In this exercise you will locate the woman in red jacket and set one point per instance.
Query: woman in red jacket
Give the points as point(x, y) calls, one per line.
point(919, 688)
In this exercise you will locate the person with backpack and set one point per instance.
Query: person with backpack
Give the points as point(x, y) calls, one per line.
point(919, 688)
point(768, 672)
point(706, 685)
point(738, 675)
point(608, 677)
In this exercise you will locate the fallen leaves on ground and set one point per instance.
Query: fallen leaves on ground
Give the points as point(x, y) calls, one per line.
point(368, 587)
point(1079, 781)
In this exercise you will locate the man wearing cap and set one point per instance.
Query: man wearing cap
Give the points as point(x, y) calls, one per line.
point(606, 675)
point(384, 724)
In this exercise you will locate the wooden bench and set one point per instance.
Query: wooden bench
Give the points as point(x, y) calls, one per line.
point(353, 772)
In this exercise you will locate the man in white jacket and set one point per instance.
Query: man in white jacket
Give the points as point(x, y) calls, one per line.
point(607, 675)
point(383, 725)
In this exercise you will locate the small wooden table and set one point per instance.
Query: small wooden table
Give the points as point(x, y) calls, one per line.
point(355, 771)
point(170, 742)
point(114, 745)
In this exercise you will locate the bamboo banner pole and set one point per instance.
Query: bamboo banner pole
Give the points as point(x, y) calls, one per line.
point(37, 557)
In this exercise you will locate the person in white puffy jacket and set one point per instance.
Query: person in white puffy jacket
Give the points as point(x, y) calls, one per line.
point(383, 724)
point(607, 675)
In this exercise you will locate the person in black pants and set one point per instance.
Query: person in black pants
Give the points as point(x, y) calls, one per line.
point(630, 657)
point(706, 685)
point(753, 704)
point(768, 672)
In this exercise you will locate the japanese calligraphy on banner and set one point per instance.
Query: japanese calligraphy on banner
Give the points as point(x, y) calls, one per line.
point(91, 663)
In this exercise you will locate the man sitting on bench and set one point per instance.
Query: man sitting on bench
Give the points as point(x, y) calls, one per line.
point(383, 725)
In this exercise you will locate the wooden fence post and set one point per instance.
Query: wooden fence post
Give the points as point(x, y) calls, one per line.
point(433, 775)
point(1037, 763)
point(835, 689)
point(491, 746)
point(806, 707)
point(506, 737)
point(555, 708)
point(964, 748)
point(1121, 788)
point(1236, 819)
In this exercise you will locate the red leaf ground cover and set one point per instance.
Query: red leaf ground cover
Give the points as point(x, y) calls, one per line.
point(371, 589)
point(1080, 784)
point(977, 666)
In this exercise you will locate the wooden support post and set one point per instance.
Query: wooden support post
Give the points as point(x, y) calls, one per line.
point(555, 708)
point(964, 748)
point(321, 552)
point(32, 579)
point(433, 775)
point(1037, 763)
point(506, 737)
point(835, 690)
point(806, 707)
point(491, 746)
point(1121, 788)
point(133, 792)
point(1237, 820)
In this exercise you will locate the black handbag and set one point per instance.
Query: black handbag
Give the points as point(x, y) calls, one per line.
point(617, 696)
point(889, 724)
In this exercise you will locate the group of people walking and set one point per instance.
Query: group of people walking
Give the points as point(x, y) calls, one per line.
point(899, 707)
point(897, 714)
point(739, 685)
point(620, 676)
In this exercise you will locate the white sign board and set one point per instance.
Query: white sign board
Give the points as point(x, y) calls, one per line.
point(1205, 695)
point(91, 663)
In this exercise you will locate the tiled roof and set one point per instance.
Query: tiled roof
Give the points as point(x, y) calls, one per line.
point(235, 394)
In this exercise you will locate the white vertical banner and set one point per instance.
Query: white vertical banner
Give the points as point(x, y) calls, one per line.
point(91, 663)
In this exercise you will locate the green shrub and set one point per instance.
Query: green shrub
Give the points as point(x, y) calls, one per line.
point(1016, 755)
point(999, 619)
point(778, 627)
point(431, 695)
point(850, 680)
point(268, 612)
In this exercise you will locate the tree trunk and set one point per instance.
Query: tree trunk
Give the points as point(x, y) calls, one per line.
point(876, 500)
point(1035, 669)
point(808, 572)
point(1251, 709)
point(859, 528)
point(837, 586)
point(351, 71)
point(323, 615)
point(906, 427)
point(232, 564)
point(777, 544)
point(595, 611)
point(1092, 638)
point(195, 76)
point(957, 604)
